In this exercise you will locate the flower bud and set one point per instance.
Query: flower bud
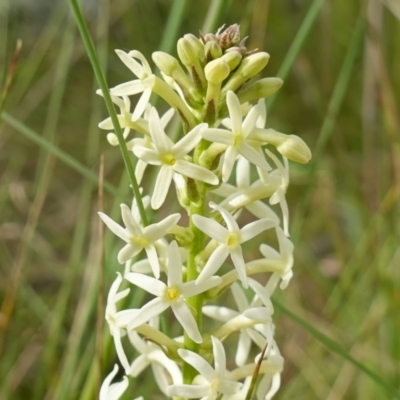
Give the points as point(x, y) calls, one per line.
point(248, 68)
point(232, 58)
point(260, 89)
point(295, 149)
point(170, 67)
point(197, 46)
point(191, 53)
point(290, 146)
point(166, 63)
point(216, 71)
point(212, 50)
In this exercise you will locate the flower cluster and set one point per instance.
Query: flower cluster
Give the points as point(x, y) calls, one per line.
point(224, 162)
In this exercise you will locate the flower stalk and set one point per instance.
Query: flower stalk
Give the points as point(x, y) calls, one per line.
point(185, 269)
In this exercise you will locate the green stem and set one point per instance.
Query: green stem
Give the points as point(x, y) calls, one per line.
point(195, 303)
point(91, 51)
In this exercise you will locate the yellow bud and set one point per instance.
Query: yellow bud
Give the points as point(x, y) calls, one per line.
point(216, 71)
point(295, 149)
point(212, 50)
point(232, 58)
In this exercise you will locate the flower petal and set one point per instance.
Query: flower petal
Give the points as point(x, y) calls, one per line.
point(147, 283)
point(238, 261)
point(128, 88)
point(256, 227)
point(188, 391)
point(188, 142)
point(131, 225)
point(194, 171)
point(156, 231)
point(198, 363)
point(219, 356)
point(235, 111)
point(127, 252)
point(153, 260)
point(114, 227)
point(211, 228)
point(186, 319)
point(174, 265)
point(144, 98)
point(148, 311)
point(161, 141)
point(162, 185)
point(214, 263)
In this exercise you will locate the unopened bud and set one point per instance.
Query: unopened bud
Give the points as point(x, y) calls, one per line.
point(232, 58)
point(290, 146)
point(197, 46)
point(166, 63)
point(216, 71)
point(248, 68)
point(295, 149)
point(191, 53)
point(212, 50)
point(170, 67)
point(260, 89)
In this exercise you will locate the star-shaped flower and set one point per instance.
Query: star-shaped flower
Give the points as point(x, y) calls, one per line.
point(279, 195)
point(144, 84)
point(139, 238)
point(258, 208)
point(230, 240)
point(172, 294)
point(236, 139)
point(171, 158)
point(212, 382)
point(249, 310)
point(280, 263)
point(124, 118)
point(118, 320)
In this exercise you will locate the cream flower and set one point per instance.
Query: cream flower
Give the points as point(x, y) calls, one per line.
point(236, 139)
point(144, 84)
point(279, 195)
point(139, 238)
point(171, 158)
point(258, 208)
point(230, 240)
point(212, 382)
point(118, 320)
point(172, 294)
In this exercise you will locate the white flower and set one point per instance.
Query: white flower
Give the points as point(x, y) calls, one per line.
point(118, 320)
point(284, 259)
point(151, 354)
point(147, 142)
point(144, 84)
point(171, 158)
point(171, 295)
point(124, 118)
point(279, 195)
point(113, 391)
point(236, 139)
point(139, 238)
point(247, 335)
point(258, 208)
point(229, 239)
point(211, 382)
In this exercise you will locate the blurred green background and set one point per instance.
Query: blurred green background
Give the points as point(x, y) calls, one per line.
point(340, 61)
